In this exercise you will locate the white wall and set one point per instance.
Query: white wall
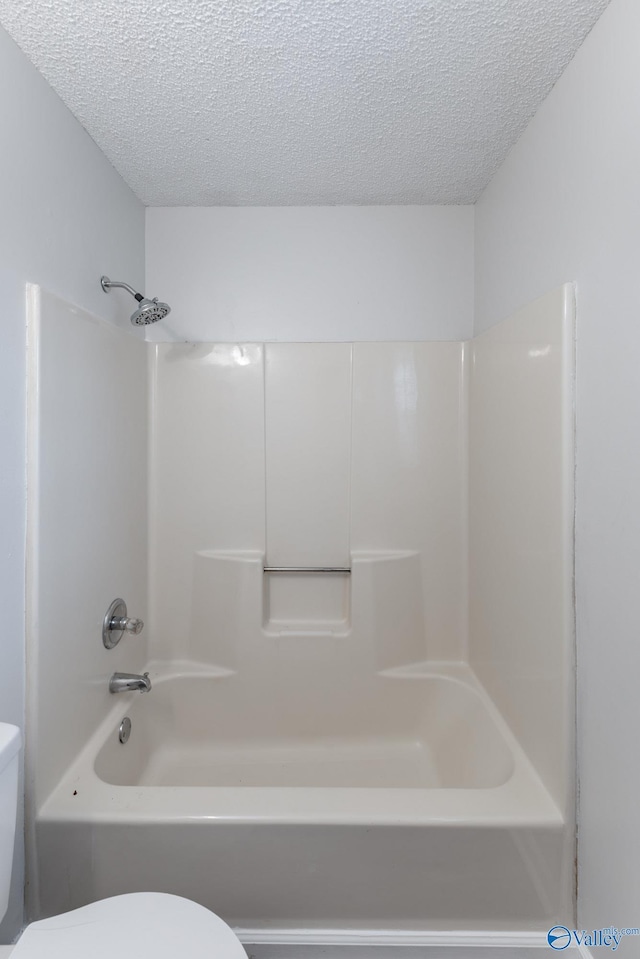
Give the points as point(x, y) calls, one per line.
point(67, 217)
point(312, 273)
point(566, 205)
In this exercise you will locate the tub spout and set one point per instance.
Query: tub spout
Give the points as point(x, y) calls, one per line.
point(127, 682)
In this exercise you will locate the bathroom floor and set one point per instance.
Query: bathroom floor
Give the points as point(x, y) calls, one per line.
point(301, 952)
point(353, 763)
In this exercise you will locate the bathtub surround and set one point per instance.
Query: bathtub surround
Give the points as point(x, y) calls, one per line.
point(307, 421)
point(308, 454)
point(321, 729)
point(87, 537)
point(521, 529)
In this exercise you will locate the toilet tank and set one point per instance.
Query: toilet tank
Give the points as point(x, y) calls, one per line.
point(10, 742)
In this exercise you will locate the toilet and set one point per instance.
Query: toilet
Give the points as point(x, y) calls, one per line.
point(134, 926)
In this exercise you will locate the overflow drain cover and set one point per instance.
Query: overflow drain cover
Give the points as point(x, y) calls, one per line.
point(125, 730)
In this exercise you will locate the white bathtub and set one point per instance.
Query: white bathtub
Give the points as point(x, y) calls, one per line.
point(415, 810)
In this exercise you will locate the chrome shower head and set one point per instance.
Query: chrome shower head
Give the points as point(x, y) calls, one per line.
point(149, 311)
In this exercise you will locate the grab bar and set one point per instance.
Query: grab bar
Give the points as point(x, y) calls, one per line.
point(344, 570)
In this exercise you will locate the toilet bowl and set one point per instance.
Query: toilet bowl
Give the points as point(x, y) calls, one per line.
point(139, 925)
point(133, 926)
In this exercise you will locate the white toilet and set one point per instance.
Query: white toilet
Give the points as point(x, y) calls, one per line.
point(134, 926)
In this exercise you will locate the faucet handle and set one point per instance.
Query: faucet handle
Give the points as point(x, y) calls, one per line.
point(116, 622)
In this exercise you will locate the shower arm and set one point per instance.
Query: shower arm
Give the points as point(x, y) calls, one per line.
point(108, 284)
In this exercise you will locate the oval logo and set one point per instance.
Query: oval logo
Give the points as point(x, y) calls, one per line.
point(559, 937)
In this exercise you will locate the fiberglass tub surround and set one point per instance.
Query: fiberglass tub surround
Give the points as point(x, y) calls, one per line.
point(314, 738)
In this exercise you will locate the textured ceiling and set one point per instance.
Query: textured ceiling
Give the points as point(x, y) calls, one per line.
point(249, 102)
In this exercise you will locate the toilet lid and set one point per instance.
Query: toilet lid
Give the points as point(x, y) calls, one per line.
point(142, 925)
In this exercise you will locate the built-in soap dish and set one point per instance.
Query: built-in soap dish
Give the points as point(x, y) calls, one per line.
point(313, 602)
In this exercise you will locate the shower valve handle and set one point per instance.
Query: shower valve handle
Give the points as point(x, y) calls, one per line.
point(133, 626)
point(116, 623)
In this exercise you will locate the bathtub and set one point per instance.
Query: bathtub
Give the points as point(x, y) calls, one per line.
point(291, 809)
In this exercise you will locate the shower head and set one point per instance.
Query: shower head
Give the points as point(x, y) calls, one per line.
point(149, 311)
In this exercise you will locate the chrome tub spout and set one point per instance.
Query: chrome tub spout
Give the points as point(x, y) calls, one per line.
point(129, 682)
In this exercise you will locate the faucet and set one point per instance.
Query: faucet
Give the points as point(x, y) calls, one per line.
point(127, 682)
